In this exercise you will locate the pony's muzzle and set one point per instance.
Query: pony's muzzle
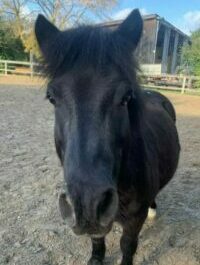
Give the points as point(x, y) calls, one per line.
point(104, 210)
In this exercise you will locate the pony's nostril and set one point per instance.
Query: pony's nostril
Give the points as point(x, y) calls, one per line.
point(107, 207)
point(104, 203)
point(66, 209)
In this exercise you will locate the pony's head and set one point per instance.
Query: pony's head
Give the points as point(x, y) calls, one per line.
point(92, 84)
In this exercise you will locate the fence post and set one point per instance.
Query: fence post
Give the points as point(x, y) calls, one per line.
point(183, 85)
point(6, 68)
point(31, 68)
point(190, 82)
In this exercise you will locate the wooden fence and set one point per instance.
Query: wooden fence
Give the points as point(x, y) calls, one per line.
point(180, 83)
point(8, 67)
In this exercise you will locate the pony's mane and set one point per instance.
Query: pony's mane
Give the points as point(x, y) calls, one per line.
point(89, 46)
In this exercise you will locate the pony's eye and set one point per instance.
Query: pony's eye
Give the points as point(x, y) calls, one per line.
point(51, 98)
point(126, 98)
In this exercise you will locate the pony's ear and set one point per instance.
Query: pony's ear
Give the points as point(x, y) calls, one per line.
point(131, 28)
point(46, 34)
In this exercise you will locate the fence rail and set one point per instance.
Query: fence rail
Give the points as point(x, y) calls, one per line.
point(8, 67)
point(180, 83)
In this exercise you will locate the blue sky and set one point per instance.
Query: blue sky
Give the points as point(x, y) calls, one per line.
point(185, 14)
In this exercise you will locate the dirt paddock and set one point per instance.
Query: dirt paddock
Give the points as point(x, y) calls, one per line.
point(31, 229)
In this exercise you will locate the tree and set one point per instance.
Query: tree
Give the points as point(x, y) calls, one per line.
point(11, 47)
point(13, 12)
point(191, 53)
point(64, 13)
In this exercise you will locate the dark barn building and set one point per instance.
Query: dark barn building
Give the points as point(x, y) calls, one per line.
point(159, 50)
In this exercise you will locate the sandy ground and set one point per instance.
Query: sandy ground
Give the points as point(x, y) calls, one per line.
point(31, 229)
point(21, 80)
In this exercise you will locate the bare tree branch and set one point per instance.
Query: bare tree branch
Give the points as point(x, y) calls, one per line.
point(63, 13)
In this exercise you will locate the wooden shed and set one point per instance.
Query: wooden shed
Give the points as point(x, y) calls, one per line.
point(159, 50)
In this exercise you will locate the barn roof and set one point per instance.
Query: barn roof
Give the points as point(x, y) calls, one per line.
point(114, 23)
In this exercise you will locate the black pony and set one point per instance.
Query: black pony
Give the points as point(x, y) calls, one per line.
point(118, 145)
